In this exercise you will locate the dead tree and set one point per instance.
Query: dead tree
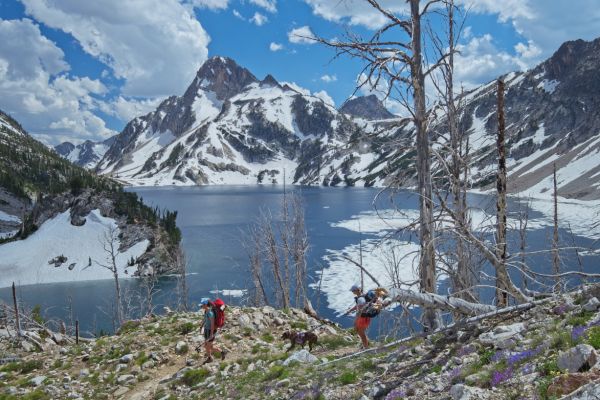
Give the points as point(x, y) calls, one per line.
point(182, 288)
point(110, 242)
point(502, 277)
point(555, 255)
point(400, 63)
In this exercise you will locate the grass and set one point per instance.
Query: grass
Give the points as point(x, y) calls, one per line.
point(593, 337)
point(141, 359)
point(23, 367)
point(35, 395)
point(276, 372)
point(186, 328)
point(299, 325)
point(580, 319)
point(128, 326)
point(367, 365)
point(333, 342)
point(348, 377)
point(562, 340)
point(436, 369)
point(267, 337)
point(194, 376)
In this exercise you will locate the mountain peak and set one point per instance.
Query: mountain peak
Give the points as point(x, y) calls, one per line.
point(223, 76)
point(367, 107)
point(269, 81)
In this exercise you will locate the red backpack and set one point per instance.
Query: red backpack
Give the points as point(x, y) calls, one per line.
point(218, 307)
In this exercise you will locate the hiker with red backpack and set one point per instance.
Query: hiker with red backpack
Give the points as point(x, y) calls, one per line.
point(214, 318)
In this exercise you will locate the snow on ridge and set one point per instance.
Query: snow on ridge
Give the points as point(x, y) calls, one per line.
point(9, 218)
point(549, 86)
point(25, 262)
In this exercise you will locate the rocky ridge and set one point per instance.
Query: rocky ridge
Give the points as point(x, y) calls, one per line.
point(541, 351)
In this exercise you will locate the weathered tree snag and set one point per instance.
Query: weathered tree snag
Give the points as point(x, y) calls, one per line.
point(555, 255)
point(502, 277)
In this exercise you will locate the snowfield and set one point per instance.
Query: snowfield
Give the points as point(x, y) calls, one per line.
point(25, 262)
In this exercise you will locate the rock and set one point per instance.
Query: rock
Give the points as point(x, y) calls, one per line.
point(278, 321)
point(566, 384)
point(475, 379)
point(38, 380)
point(126, 359)
point(251, 367)
point(27, 346)
point(84, 372)
point(504, 336)
point(148, 364)
point(245, 322)
point(463, 392)
point(181, 347)
point(58, 338)
point(580, 358)
point(592, 305)
point(124, 379)
point(121, 391)
point(302, 356)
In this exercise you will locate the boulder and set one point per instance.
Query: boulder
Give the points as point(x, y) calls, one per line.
point(463, 392)
point(37, 380)
point(302, 356)
point(566, 384)
point(580, 358)
point(181, 347)
point(124, 379)
point(592, 305)
point(245, 322)
point(504, 336)
point(126, 359)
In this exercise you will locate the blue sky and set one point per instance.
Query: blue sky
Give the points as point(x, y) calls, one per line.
point(77, 70)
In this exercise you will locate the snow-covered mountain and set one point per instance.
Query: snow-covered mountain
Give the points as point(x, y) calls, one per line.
point(231, 128)
point(86, 154)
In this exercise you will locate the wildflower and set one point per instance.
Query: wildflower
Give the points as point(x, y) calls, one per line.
point(395, 394)
point(577, 332)
point(498, 356)
point(499, 377)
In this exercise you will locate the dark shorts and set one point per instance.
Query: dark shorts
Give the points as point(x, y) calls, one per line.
point(207, 337)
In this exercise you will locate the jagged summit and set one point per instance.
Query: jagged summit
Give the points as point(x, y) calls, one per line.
point(270, 81)
point(367, 107)
point(221, 75)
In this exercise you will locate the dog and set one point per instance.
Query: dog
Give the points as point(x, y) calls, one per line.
point(300, 338)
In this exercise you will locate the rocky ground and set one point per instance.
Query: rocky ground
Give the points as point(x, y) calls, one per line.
point(545, 351)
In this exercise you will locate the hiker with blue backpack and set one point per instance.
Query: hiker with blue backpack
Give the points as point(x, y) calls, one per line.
point(214, 318)
point(367, 306)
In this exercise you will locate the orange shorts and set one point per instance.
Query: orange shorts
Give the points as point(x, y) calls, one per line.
point(362, 322)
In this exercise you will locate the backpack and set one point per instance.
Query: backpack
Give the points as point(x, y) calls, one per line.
point(372, 307)
point(218, 307)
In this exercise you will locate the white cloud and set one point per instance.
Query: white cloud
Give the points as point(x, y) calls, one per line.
point(156, 46)
point(36, 90)
point(237, 14)
point(211, 4)
point(355, 12)
point(323, 95)
point(329, 78)
point(269, 5)
point(259, 19)
point(302, 35)
point(127, 109)
point(275, 46)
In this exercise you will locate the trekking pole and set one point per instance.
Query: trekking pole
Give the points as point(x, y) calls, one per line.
point(17, 321)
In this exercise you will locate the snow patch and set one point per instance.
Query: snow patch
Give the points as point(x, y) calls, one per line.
point(25, 262)
point(549, 86)
point(9, 218)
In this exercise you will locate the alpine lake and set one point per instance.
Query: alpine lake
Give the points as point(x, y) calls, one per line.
point(215, 222)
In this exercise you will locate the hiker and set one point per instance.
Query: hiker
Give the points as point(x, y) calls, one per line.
point(361, 323)
point(210, 330)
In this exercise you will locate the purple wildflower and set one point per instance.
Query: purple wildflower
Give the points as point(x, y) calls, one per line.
point(498, 356)
point(395, 394)
point(577, 332)
point(499, 377)
point(527, 369)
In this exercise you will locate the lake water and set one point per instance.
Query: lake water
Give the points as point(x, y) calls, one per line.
point(214, 221)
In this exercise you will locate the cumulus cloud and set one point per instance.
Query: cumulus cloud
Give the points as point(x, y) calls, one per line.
point(237, 14)
point(127, 109)
point(329, 78)
point(275, 46)
point(301, 35)
point(211, 4)
point(155, 46)
point(323, 95)
point(259, 19)
point(356, 12)
point(35, 87)
point(269, 5)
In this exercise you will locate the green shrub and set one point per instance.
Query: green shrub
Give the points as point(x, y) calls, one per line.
point(549, 367)
point(194, 376)
point(128, 326)
point(436, 369)
point(24, 367)
point(593, 337)
point(267, 337)
point(580, 319)
point(333, 342)
point(276, 372)
point(348, 377)
point(299, 325)
point(186, 328)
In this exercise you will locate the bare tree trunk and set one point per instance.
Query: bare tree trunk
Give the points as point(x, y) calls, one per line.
point(523, 220)
point(273, 257)
point(16, 304)
point(555, 255)
point(426, 230)
point(501, 271)
point(182, 287)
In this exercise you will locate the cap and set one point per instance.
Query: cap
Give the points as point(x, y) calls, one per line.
point(204, 301)
point(354, 288)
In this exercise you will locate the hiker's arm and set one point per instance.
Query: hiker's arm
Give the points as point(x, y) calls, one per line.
point(350, 310)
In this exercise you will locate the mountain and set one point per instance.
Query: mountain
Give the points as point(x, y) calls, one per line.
point(52, 213)
point(367, 107)
point(229, 127)
point(86, 154)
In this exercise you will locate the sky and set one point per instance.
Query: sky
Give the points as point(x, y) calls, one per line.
point(77, 70)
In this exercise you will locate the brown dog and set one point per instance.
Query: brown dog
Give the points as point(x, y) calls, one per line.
point(300, 338)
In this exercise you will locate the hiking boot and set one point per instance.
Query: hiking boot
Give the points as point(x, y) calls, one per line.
point(223, 354)
point(208, 360)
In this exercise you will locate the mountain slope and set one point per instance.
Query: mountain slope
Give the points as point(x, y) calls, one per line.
point(367, 107)
point(86, 154)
